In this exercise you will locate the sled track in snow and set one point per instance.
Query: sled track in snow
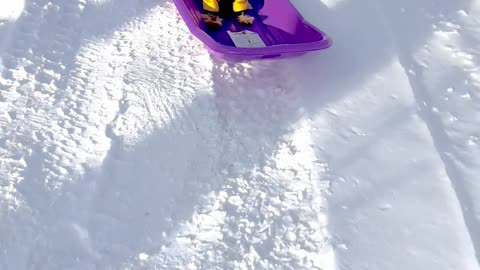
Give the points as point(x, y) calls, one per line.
point(445, 149)
point(443, 143)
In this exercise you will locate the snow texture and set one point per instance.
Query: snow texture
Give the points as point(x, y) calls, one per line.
point(125, 145)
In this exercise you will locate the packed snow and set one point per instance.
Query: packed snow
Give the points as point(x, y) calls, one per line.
point(125, 145)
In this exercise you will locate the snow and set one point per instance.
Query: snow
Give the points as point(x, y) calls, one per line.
point(124, 145)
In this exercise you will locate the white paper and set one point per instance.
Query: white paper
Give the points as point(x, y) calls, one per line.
point(246, 39)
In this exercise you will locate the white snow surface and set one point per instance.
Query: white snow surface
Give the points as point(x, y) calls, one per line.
point(125, 145)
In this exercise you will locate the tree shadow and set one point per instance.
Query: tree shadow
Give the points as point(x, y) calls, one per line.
point(142, 193)
point(48, 35)
point(261, 101)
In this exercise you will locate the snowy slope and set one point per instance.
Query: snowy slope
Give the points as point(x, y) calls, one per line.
point(123, 145)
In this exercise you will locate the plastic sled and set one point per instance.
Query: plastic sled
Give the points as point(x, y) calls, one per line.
point(278, 31)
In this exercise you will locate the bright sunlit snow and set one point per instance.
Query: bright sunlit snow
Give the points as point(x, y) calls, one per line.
point(125, 145)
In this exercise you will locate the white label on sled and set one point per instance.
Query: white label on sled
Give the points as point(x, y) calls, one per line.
point(246, 39)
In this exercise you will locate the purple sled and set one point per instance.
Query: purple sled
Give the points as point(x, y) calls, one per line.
point(280, 27)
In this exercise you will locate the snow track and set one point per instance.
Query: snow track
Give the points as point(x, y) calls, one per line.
point(401, 54)
point(123, 145)
point(437, 106)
